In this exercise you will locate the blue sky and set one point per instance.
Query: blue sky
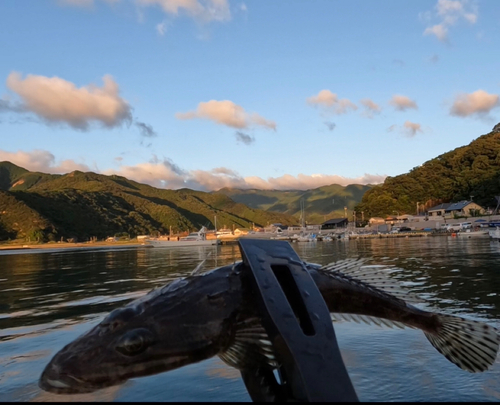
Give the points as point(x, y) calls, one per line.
point(263, 94)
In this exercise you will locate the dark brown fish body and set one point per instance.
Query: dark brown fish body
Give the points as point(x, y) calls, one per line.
point(201, 316)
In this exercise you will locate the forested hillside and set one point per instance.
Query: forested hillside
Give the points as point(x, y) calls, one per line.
point(472, 170)
point(319, 204)
point(85, 205)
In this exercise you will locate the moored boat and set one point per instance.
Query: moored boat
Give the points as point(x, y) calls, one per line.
point(469, 233)
point(193, 239)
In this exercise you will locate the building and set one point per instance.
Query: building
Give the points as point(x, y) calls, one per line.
point(463, 208)
point(376, 221)
point(438, 210)
point(335, 223)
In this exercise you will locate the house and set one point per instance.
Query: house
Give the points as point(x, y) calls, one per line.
point(376, 221)
point(335, 223)
point(241, 231)
point(438, 210)
point(463, 208)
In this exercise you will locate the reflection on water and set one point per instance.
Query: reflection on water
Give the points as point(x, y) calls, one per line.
point(48, 298)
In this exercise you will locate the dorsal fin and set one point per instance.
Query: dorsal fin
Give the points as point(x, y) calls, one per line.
point(376, 276)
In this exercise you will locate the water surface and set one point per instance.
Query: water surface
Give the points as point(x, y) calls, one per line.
point(48, 298)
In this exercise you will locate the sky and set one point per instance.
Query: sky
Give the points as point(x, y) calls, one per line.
point(282, 94)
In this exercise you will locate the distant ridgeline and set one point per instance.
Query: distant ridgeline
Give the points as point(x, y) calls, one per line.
point(81, 205)
point(472, 170)
point(320, 204)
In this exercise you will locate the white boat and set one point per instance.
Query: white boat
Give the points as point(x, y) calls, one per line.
point(469, 233)
point(494, 233)
point(193, 239)
point(306, 238)
point(222, 233)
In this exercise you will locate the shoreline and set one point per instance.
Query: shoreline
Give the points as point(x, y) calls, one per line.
point(68, 245)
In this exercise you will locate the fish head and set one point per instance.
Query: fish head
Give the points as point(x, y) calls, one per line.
point(184, 322)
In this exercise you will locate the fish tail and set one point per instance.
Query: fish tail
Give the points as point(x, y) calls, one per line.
point(471, 345)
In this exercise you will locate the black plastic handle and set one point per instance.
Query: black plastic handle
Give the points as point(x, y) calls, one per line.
point(298, 323)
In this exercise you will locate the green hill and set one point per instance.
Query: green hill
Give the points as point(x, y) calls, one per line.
point(84, 205)
point(471, 170)
point(320, 203)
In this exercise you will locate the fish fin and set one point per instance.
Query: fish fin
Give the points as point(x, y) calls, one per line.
point(471, 345)
point(369, 320)
point(250, 348)
point(376, 276)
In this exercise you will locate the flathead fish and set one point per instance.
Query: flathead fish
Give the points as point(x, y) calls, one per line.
point(214, 314)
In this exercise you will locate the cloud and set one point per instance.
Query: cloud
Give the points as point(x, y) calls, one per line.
point(163, 173)
point(402, 103)
point(478, 103)
point(399, 62)
point(146, 130)
point(370, 107)
point(409, 129)
point(202, 10)
point(58, 101)
point(449, 13)
point(330, 125)
point(41, 161)
point(330, 101)
point(439, 30)
point(161, 28)
point(242, 137)
point(227, 113)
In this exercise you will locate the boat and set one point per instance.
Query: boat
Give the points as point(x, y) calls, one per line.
point(494, 232)
point(222, 233)
point(193, 239)
point(310, 237)
point(469, 233)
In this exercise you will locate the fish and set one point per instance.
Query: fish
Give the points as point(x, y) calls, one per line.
point(213, 313)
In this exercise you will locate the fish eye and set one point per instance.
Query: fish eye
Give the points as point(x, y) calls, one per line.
point(135, 342)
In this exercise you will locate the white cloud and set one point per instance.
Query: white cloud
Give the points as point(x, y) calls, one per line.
point(370, 107)
point(203, 10)
point(163, 173)
point(227, 113)
point(402, 103)
point(408, 129)
point(449, 13)
point(161, 28)
point(478, 103)
point(411, 128)
point(59, 101)
point(439, 30)
point(41, 161)
point(331, 102)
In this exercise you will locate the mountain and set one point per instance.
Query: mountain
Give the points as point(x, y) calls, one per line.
point(471, 171)
point(83, 205)
point(319, 204)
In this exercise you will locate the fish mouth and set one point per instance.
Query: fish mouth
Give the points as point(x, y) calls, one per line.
point(65, 384)
point(54, 381)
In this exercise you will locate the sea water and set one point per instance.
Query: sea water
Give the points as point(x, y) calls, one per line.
point(48, 298)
